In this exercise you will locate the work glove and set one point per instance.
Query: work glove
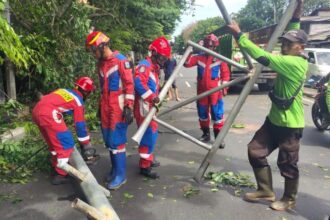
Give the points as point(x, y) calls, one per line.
point(156, 103)
point(155, 100)
point(89, 153)
point(128, 115)
point(225, 91)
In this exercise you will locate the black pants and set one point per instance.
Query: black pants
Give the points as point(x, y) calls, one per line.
point(267, 139)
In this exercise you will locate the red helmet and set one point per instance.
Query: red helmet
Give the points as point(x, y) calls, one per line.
point(211, 41)
point(161, 46)
point(85, 83)
point(95, 39)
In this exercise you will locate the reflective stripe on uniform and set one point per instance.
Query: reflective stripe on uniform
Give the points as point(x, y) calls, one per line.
point(81, 139)
point(144, 156)
point(111, 71)
point(146, 94)
point(129, 96)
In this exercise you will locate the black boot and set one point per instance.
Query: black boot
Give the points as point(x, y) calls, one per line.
point(59, 179)
point(206, 135)
point(155, 163)
point(216, 132)
point(90, 156)
point(147, 173)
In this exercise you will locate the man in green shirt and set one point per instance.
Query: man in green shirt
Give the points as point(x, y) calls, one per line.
point(285, 122)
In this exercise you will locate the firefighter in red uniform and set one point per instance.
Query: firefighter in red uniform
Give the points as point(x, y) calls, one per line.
point(146, 95)
point(211, 72)
point(116, 105)
point(48, 115)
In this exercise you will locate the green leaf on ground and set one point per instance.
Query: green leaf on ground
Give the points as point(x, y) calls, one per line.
point(128, 196)
point(189, 191)
point(150, 195)
point(214, 190)
point(230, 178)
point(238, 125)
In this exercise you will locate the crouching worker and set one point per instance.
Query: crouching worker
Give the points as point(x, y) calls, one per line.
point(48, 115)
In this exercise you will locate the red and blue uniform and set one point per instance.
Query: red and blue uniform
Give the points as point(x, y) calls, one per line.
point(117, 91)
point(48, 115)
point(146, 89)
point(211, 72)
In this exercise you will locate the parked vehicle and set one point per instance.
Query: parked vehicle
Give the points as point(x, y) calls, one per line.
point(319, 65)
point(320, 113)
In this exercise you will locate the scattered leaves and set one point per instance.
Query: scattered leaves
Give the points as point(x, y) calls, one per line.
point(189, 191)
point(128, 196)
point(238, 125)
point(231, 178)
point(13, 198)
point(321, 167)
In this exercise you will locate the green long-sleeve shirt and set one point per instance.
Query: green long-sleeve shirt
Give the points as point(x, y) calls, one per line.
point(291, 71)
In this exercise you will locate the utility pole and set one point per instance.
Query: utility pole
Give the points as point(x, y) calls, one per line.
point(9, 67)
point(275, 11)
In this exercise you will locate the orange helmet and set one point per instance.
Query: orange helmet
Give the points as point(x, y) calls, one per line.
point(161, 46)
point(211, 41)
point(95, 39)
point(85, 83)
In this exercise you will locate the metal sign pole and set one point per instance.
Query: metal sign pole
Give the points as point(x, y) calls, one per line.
point(223, 58)
point(227, 19)
point(181, 133)
point(204, 94)
point(245, 92)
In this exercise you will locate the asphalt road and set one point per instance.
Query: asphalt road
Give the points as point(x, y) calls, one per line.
point(163, 198)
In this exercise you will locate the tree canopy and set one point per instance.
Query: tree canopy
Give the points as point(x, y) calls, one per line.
point(52, 35)
point(256, 14)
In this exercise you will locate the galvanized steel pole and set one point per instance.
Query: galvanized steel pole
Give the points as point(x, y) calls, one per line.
point(204, 94)
point(140, 132)
point(245, 92)
point(94, 195)
point(214, 54)
point(227, 19)
point(181, 133)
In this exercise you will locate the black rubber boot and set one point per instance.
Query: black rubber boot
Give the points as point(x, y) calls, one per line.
point(206, 135)
point(155, 163)
point(59, 179)
point(147, 173)
point(216, 132)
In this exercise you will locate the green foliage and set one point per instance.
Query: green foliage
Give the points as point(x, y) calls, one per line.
point(9, 115)
point(132, 24)
point(11, 45)
point(197, 32)
point(260, 13)
point(57, 30)
point(12, 197)
point(230, 178)
point(311, 5)
point(14, 167)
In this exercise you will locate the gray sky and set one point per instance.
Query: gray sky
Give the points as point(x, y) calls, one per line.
point(208, 9)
